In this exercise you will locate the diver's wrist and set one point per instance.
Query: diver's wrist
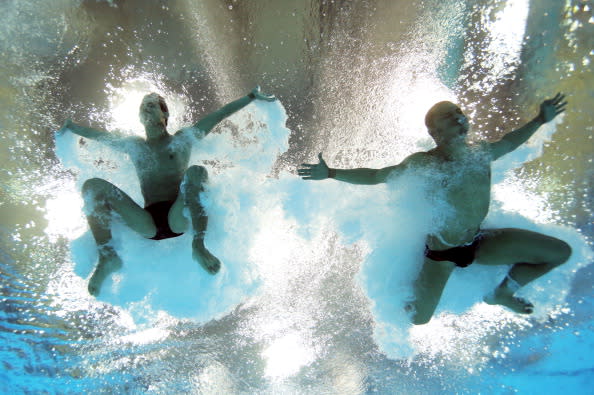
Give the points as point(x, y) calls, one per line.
point(331, 173)
point(540, 119)
point(251, 95)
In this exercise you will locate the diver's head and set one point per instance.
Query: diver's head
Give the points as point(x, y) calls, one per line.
point(446, 122)
point(153, 110)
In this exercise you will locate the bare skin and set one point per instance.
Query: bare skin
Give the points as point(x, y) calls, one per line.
point(161, 161)
point(462, 177)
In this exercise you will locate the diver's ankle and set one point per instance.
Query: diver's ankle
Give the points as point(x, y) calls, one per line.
point(508, 286)
point(199, 236)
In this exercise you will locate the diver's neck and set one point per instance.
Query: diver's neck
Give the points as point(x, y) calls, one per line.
point(156, 132)
point(452, 150)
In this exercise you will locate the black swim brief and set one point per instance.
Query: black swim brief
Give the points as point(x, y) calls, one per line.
point(160, 213)
point(462, 255)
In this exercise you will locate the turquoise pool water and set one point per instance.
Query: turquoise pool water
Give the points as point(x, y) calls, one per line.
point(309, 298)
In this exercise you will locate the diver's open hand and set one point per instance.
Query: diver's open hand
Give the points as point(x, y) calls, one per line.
point(258, 94)
point(549, 109)
point(318, 171)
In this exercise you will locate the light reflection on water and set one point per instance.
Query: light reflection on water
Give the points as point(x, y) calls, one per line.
point(351, 92)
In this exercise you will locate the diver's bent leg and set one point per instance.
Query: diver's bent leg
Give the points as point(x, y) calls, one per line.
point(428, 288)
point(190, 191)
point(101, 200)
point(189, 196)
point(532, 255)
point(97, 210)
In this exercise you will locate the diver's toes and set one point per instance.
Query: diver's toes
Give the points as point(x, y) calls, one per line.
point(527, 307)
point(210, 264)
point(214, 268)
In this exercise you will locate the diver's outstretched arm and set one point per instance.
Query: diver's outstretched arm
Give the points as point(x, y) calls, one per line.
point(361, 176)
point(206, 124)
point(549, 109)
point(113, 140)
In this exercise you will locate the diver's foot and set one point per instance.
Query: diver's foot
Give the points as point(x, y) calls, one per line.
point(514, 303)
point(109, 262)
point(208, 261)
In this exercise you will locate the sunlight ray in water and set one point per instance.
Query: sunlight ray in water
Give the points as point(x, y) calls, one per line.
point(413, 97)
point(286, 355)
point(64, 213)
point(125, 100)
point(507, 33)
point(272, 249)
point(505, 24)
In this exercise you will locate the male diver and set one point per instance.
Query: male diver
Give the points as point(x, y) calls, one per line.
point(463, 174)
point(167, 184)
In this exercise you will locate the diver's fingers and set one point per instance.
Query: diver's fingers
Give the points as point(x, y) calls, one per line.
point(561, 105)
point(310, 165)
point(321, 159)
point(559, 97)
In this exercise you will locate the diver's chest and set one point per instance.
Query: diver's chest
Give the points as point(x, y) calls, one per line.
point(164, 156)
point(466, 176)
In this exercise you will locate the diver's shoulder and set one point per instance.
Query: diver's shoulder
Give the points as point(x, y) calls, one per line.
point(421, 157)
point(131, 142)
point(188, 134)
point(135, 139)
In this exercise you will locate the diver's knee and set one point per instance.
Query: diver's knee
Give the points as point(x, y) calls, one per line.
point(417, 318)
point(93, 187)
point(197, 173)
point(92, 184)
point(563, 252)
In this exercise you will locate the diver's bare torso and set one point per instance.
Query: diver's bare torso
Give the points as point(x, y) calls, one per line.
point(464, 184)
point(160, 165)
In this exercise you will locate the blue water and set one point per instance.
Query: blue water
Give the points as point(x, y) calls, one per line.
point(314, 276)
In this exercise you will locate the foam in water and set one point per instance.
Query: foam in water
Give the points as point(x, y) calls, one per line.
point(258, 224)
